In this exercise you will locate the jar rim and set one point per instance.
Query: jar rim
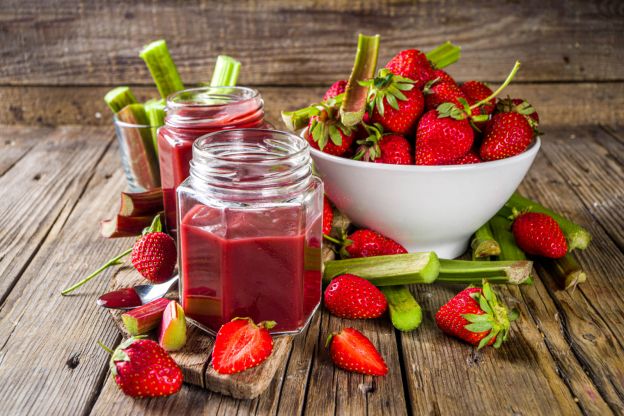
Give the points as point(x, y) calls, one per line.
point(242, 94)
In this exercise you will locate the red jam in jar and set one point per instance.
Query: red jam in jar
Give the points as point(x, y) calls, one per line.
point(249, 230)
point(192, 113)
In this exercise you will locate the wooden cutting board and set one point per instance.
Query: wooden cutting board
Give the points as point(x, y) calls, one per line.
point(194, 358)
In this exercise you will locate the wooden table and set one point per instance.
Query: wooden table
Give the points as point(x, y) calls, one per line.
point(60, 174)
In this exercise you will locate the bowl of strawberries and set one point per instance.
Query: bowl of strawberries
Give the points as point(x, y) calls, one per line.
point(411, 153)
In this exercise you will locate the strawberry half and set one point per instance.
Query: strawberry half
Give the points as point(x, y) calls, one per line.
point(142, 368)
point(476, 316)
point(349, 296)
point(369, 243)
point(328, 216)
point(336, 88)
point(540, 235)
point(154, 255)
point(240, 344)
point(350, 350)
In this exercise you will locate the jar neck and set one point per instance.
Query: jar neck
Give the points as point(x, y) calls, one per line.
point(251, 164)
point(206, 109)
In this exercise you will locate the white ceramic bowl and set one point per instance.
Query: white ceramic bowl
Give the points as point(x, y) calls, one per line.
point(423, 207)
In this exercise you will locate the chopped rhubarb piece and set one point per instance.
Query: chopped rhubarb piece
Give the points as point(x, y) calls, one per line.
point(143, 319)
point(226, 72)
point(155, 111)
point(122, 226)
point(118, 98)
point(161, 66)
point(138, 204)
point(173, 327)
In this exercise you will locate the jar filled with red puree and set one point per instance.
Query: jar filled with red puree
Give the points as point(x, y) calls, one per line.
point(249, 230)
point(192, 113)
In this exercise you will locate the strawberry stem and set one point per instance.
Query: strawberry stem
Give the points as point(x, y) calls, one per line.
point(502, 87)
point(104, 347)
point(332, 239)
point(111, 262)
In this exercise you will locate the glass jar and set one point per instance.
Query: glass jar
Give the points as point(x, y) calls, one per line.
point(192, 113)
point(249, 223)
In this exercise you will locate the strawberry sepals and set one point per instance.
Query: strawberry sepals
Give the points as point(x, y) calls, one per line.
point(369, 149)
point(496, 318)
point(120, 354)
point(263, 324)
point(389, 86)
point(327, 126)
point(525, 108)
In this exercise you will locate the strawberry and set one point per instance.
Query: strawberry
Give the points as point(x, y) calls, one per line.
point(442, 92)
point(540, 235)
point(240, 344)
point(518, 105)
point(443, 136)
point(328, 216)
point(395, 103)
point(336, 88)
point(351, 297)
point(468, 158)
point(328, 134)
point(476, 316)
point(142, 368)
point(476, 91)
point(154, 255)
point(506, 134)
point(384, 148)
point(350, 350)
point(442, 76)
point(412, 64)
point(369, 243)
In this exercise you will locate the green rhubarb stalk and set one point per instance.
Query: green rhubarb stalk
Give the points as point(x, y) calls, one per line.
point(426, 268)
point(364, 66)
point(226, 72)
point(163, 69)
point(566, 271)
point(484, 244)
point(405, 312)
point(444, 55)
point(118, 98)
point(576, 236)
point(155, 111)
point(509, 250)
point(298, 119)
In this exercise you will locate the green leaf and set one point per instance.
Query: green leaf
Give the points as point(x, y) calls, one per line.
point(394, 91)
point(473, 317)
point(485, 340)
point(392, 101)
point(485, 306)
point(335, 135)
point(404, 86)
point(478, 326)
point(379, 105)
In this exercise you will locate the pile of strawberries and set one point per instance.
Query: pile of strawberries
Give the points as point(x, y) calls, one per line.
point(418, 114)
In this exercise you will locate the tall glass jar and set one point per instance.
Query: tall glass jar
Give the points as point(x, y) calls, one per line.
point(192, 113)
point(249, 224)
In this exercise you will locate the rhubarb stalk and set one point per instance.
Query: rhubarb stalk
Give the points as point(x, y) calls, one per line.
point(509, 250)
point(444, 55)
point(141, 203)
point(576, 236)
point(484, 244)
point(566, 271)
point(164, 71)
point(354, 104)
point(226, 72)
point(141, 320)
point(405, 312)
point(155, 111)
point(298, 119)
point(118, 98)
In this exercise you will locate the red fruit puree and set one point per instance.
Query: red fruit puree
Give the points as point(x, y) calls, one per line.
point(191, 114)
point(259, 263)
point(122, 298)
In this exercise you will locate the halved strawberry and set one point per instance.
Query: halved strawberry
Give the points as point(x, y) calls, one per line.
point(352, 351)
point(328, 216)
point(240, 344)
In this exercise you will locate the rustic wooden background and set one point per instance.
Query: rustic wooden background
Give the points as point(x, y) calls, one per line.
point(60, 56)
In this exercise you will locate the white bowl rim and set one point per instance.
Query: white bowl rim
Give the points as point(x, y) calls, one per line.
point(527, 154)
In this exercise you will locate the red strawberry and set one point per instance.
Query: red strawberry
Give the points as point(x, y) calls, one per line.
point(396, 103)
point(142, 368)
point(368, 243)
point(384, 148)
point(240, 344)
point(540, 235)
point(443, 76)
point(506, 134)
point(412, 64)
point(327, 133)
point(337, 88)
point(468, 158)
point(442, 139)
point(476, 91)
point(154, 255)
point(518, 105)
point(476, 316)
point(351, 297)
point(328, 216)
point(443, 92)
point(352, 351)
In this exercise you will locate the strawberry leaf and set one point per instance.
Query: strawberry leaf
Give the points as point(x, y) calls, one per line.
point(478, 326)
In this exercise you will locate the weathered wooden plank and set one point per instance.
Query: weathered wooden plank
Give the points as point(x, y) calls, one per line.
point(445, 376)
point(306, 42)
point(49, 360)
point(41, 186)
point(16, 142)
point(334, 391)
point(557, 103)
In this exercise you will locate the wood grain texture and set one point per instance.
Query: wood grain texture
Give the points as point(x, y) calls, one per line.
point(307, 42)
point(557, 104)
